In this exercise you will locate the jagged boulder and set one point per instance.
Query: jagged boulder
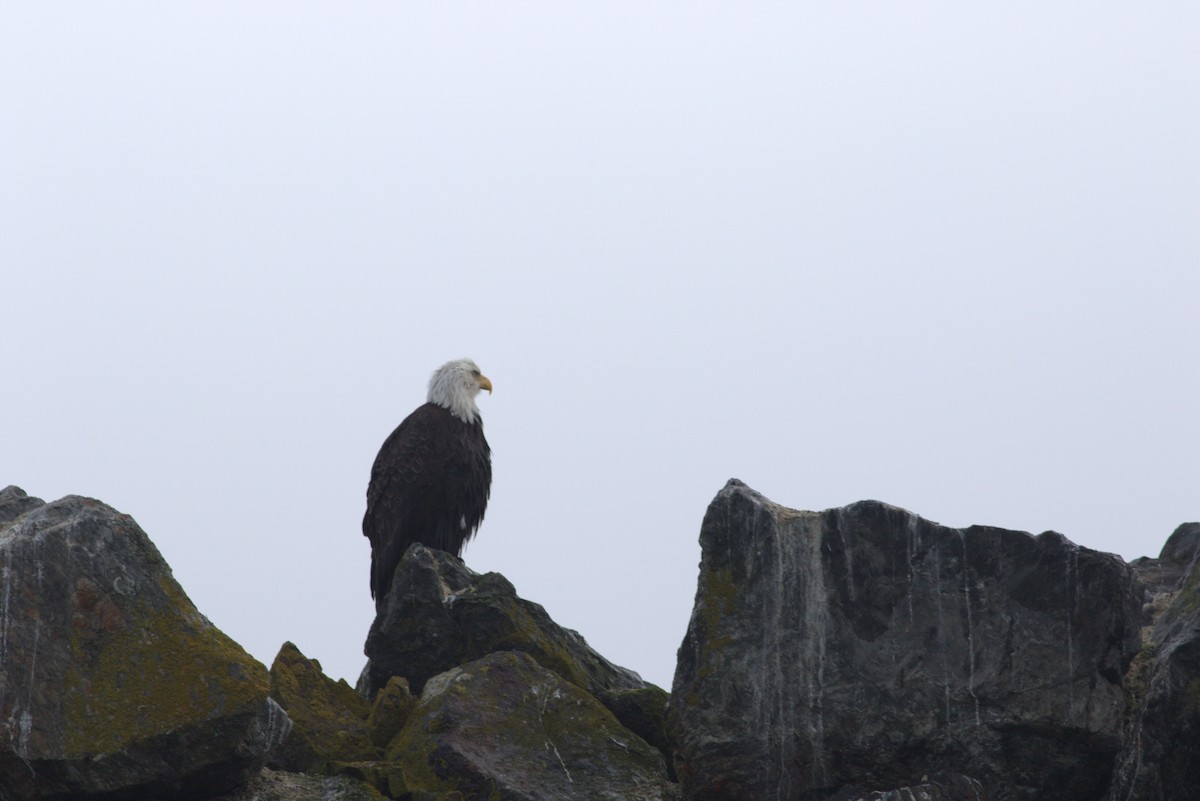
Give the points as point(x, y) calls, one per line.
point(1161, 757)
point(112, 684)
point(865, 647)
point(505, 728)
point(393, 704)
point(329, 717)
point(440, 614)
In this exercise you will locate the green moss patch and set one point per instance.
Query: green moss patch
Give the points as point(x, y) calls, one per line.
point(160, 668)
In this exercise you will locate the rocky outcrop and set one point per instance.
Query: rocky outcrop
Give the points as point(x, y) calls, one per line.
point(440, 614)
point(112, 684)
point(865, 647)
point(505, 728)
point(440, 617)
point(855, 654)
point(1159, 761)
point(329, 718)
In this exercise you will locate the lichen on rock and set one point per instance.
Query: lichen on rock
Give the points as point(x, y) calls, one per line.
point(392, 707)
point(504, 727)
point(329, 717)
point(110, 680)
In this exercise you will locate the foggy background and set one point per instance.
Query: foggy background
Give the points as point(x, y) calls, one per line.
point(942, 256)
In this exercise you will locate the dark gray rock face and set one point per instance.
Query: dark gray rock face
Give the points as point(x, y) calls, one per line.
point(112, 684)
point(955, 787)
point(439, 614)
point(865, 647)
point(14, 503)
point(1161, 757)
point(506, 728)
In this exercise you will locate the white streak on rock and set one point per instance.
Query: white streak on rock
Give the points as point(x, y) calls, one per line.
point(543, 693)
point(962, 538)
point(1072, 569)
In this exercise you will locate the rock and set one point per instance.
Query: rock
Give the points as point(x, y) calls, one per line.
point(329, 718)
point(505, 728)
point(865, 647)
point(14, 503)
point(111, 682)
point(1158, 761)
point(393, 704)
point(955, 787)
point(384, 776)
point(271, 785)
point(1182, 547)
point(1163, 576)
point(439, 615)
point(644, 712)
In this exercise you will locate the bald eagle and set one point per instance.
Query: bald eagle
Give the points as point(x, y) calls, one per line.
point(431, 480)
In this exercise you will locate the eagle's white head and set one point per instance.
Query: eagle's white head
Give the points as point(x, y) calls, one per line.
point(454, 386)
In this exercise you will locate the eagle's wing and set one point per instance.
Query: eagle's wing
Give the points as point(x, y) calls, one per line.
point(402, 490)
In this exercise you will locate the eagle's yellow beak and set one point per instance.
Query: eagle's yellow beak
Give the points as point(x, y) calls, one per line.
point(485, 383)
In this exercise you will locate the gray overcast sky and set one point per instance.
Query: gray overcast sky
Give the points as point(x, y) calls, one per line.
point(944, 255)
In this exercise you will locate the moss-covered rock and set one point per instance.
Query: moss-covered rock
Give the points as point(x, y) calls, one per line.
point(1162, 737)
point(329, 717)
point(504, 727)
point(393, 704)
point(111, 682)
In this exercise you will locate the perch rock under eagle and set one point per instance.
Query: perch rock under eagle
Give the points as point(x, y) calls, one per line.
point(431, 480)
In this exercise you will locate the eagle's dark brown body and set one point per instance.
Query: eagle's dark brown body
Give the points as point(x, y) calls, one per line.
point(430, 484)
